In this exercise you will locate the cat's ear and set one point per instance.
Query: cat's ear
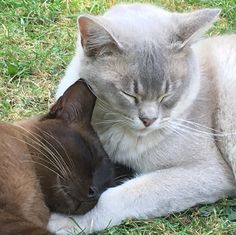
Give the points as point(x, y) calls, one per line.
point(190, 26)
point(95, 38)
point(75, 106)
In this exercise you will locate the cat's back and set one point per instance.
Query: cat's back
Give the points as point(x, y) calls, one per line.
point(217, 57)
point(219, 54)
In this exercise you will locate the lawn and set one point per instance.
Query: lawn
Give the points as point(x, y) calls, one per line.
point(37, 42)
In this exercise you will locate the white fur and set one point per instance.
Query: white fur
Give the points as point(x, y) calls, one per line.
point(72, 73)
point(177, 170)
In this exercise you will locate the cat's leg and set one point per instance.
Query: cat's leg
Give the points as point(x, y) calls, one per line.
point(153, 195)
point(11, 224)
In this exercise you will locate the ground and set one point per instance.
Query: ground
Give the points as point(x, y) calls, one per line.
point(37, 42)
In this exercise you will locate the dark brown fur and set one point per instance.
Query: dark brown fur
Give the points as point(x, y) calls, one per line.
point(55, 162)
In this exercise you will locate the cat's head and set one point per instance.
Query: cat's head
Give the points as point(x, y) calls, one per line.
point(142, 70)
point(80, 168)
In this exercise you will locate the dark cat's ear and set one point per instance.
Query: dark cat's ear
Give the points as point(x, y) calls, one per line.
point(95, 38)
point(190, 26)
point(76, 105)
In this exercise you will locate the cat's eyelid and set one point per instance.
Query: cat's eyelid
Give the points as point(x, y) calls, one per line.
point(130, 97)
point(126, 93)
point(162, 97)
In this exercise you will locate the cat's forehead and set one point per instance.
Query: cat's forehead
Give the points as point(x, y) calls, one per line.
point(152, 66)
point(145, 68)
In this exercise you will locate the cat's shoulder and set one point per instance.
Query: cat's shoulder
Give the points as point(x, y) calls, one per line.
point(220, 47)
point(217, 41)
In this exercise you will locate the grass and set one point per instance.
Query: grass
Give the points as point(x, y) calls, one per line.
point(37, 42)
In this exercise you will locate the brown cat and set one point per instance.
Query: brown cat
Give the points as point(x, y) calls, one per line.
point(52, 162)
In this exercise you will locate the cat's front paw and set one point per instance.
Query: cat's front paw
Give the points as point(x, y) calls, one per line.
point(63, 225)
point(108, 212)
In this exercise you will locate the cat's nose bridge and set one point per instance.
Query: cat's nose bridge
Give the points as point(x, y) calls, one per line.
point(148, 113)
point(148, 110)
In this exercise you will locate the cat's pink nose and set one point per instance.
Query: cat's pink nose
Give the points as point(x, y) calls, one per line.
point(148, 121)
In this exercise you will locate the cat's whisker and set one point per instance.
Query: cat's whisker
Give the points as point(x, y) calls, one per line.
point(212, 131)
point(109, 111)
point(58, 167)
point(127, 118)
point(56, 154)
point(104, 108)
point(112, 113)
point(47, 160)
point(119, 124)
point(180, 132)
point(200, 126)
point(194, 136)
point(177, 131)
point(115, 121)
point(124, 122)
point(64, 150)
point(47, 167)
point(104, 104)
point(192, 131)
point(165, 119)
point(208, 132)
point(106, 122)
point(98, 98)
point(37, 141)
point(163, 122)
point(53, 157)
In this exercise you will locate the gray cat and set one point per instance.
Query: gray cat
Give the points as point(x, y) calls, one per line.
point(166, 108)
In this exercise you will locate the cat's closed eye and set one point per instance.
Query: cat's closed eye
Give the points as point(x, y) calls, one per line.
point(164, 97)
point(130, 97)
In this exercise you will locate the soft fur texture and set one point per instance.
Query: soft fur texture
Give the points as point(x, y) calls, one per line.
point(166, 108)
point(53, 162)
